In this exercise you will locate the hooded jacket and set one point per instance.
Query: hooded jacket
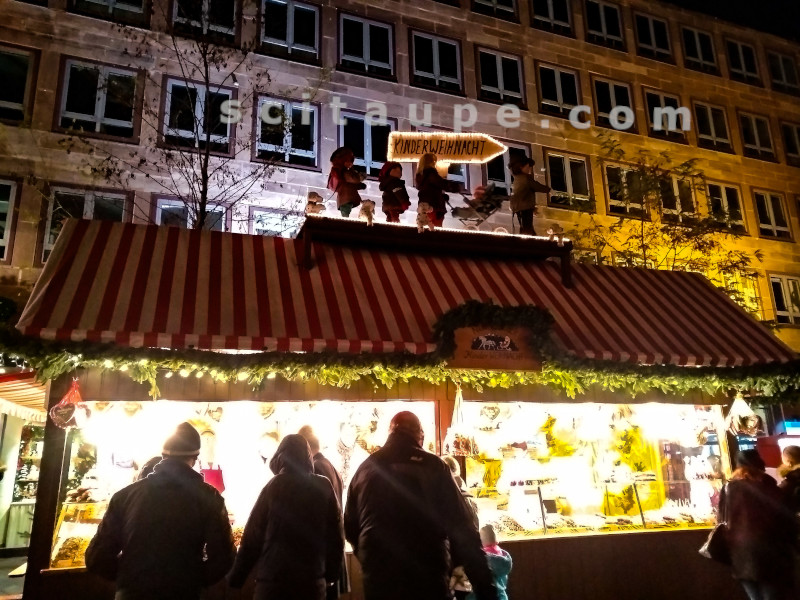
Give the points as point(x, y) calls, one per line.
point(403, 512)
point(293, 537)
point(500, 565)
point(154, 535)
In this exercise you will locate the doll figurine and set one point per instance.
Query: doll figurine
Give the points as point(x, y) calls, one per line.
point(345, 181)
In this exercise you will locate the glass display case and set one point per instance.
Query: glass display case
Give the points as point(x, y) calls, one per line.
point(543, 469)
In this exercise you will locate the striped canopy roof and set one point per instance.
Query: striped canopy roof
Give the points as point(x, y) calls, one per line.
point(141, 285)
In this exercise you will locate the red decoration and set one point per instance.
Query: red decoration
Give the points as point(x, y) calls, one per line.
point(213, 477)
point(71, 411)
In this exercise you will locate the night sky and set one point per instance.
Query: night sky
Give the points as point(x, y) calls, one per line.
point(781, 17)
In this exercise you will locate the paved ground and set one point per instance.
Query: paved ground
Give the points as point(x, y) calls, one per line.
point(10, 588)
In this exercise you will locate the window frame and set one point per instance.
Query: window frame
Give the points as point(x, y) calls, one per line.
point(742, 75)
point(491, 9)
point(758, 151)
point(700, 63)
point(63, 89)
point(158, 201)
point(740, 226)
point(521, 101)
point(714, 142)
point(526, 148)
point(602, 38)
point(166, 86)
point(9, 235)
point(610, 202)
point(597, 115)
point(126, 14)
point(29, 95)
point(769, 194)
point(653, 52)
point(678, 136)
point(436, 39)
point(315, 109)
point(792, 158)
point(283, 48)
point(783, 86)
point(361, 116)
point(567, 157)
point(551, 109)
point(783, 280)
point(392, 76)
point(189, 28)
point(46, 215)
point(251, 221)
point(551, 24)
point(677, 214)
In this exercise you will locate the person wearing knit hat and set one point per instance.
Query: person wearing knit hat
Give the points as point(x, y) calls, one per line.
point(166, 536)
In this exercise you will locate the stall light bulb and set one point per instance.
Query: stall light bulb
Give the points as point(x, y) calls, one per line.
point(271, 375)
point(241, 376)
point(123, 368)
point(143, 361)
point(199, 374)
point(183, 373)
point(108, 364)
point(168, 374)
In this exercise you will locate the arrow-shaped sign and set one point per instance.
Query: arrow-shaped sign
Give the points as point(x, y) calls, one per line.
point(409, 146)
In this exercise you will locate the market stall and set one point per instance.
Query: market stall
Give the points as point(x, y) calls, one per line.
point(585, 424)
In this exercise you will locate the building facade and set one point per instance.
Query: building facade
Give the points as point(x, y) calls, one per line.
point(524, 65)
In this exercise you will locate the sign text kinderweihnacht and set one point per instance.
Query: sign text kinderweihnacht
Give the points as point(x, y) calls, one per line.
point(409, 146)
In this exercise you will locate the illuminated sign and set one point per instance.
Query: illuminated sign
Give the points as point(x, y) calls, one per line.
point(409, 146)
point(493, 348)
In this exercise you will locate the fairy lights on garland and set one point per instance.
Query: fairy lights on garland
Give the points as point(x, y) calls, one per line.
point(561, 371)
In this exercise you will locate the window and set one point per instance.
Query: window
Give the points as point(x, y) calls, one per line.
point(652, 38)
point(186, 124)
point(68, 203)
point(436, 62)
point(604, 24)
point(756, 136)
point(366, 46)
point(287, 132)
point(8, 200)
point(177, 213)
point(742, 62)
point(98, 99)
point(133, 12)
point(558, 90)
point(16, 73)
point(783, 73)
point(712, 127)
point(677, 199)
point(626, 191)
point(568, 178)
point(786, 296)
point(725, 206)
point(497, 169)
point(368, 141)
point(552, 15)
point(275, 222)
point(771, 215)
point(290, 29)
point(501, 9)
point(206, 16)
point(608, 96)
point(665, 116)
point(698, 50)
point(500, 77)
point(791, 142)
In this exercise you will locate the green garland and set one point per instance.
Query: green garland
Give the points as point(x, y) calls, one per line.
point(568, 374)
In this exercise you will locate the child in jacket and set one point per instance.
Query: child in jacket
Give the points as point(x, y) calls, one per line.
point(499, 562)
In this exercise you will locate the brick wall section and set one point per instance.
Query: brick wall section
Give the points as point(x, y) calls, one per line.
point(55, 32)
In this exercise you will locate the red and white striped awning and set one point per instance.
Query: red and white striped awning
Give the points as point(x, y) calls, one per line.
point(140, 285)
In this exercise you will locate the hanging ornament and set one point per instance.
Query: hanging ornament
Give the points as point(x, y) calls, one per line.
point(71, 411)
point(742, 420)
point(458, 441)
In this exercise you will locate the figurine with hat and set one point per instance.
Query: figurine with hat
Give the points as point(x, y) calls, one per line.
point(345, 181)
point(523, 192)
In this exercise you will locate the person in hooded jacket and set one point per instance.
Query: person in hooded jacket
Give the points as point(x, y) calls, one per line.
point(762, 531)
point(499, 562)
point(345, 181)
point(167, 536)
point(431, 187)
point(293, 537)
point(790, 471)
point(405, 518)
point(395, 199)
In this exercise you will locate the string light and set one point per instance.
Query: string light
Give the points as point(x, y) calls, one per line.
point(271, 375)
point(491, 148)
point(199, 374)
point(241, 376)
point(123, 368)
point(168, 374)
point(108, 364)
point(183, 373)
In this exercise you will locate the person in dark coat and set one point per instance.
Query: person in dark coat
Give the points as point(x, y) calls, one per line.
point(293, 537)
point(167, 536)
point(345, 181)
point(790, 470)
point(322, 466)
point(762, 532)
point(395, 199)
point(404, 515)
point(431, 187)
